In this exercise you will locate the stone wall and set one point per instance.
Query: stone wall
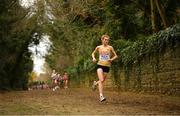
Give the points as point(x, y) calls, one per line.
point(160, 75)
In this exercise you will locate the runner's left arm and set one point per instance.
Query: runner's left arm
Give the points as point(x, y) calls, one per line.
point(114, 54)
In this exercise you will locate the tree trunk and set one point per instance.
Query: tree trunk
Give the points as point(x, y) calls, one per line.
point(162, 13)
point(153, 16)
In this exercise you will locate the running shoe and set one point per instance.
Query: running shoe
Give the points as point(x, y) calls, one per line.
point(94, 86)
point(102, 98)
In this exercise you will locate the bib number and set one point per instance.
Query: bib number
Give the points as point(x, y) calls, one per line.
point(104, 57)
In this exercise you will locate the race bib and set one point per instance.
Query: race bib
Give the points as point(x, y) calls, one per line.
point(104, 57)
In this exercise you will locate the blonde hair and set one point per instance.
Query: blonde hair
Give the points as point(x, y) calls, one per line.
point(103, 36)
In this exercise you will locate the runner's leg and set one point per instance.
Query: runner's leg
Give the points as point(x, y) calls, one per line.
point(101, 80)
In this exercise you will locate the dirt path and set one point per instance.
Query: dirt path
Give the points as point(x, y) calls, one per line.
point(84, 101)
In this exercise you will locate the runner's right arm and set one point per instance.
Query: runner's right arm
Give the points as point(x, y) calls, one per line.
point(93, 54)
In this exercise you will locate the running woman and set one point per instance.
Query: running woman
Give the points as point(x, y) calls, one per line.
point(65, 78)
point(106, 56)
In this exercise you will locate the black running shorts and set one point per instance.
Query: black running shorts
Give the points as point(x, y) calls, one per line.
point(104, 68)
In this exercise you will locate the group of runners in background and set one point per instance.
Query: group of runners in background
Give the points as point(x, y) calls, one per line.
point(59, 80)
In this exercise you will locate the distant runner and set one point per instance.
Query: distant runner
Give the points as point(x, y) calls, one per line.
point(65, 78)
point(106, 56)
point(53, 76)
point(55, 80)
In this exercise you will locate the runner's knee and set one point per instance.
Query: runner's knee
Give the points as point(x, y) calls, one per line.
point(102, 80)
